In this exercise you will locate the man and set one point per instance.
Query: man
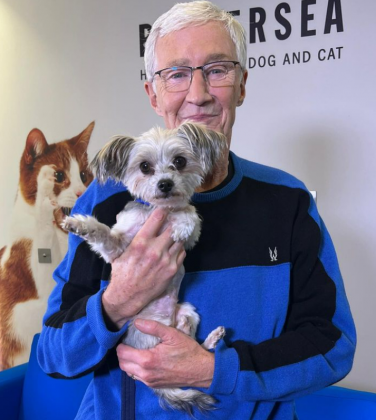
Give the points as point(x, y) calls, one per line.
point(265, 267)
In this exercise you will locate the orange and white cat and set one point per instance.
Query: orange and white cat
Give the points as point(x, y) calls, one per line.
point(52, 177)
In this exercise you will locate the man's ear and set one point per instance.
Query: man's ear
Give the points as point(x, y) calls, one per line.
point(152, 97)
point(242, 88)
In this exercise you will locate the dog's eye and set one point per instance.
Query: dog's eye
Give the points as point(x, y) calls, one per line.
point(145, 168)
point(59, 176)
point(180, 162)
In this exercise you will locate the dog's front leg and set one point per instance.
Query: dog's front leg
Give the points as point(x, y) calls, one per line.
point(107, 243)
point(186, 226)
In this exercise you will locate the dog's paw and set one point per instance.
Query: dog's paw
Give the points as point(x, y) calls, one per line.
point(186, 227)
point(182, 229)
point(187, 319)
point(213, 338)
point(185, 325)
point(76, 224)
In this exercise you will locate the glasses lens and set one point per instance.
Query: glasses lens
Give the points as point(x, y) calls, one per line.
point(221, 73)
point(176, 79)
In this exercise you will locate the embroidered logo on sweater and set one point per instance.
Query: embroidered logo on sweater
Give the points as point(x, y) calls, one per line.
point(273, 254)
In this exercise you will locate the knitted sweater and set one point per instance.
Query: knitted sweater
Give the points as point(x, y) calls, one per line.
point(264, 268)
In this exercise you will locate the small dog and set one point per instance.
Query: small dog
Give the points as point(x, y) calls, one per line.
point(161, 168)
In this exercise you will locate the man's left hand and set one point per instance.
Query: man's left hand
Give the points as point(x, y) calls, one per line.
point(177, 361)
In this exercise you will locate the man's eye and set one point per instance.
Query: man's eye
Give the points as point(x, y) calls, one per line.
point(145, 168)
point(177, 75)
point(217, 71)
point(59, 176)
point(180, 162)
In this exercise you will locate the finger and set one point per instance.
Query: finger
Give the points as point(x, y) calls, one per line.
point(153, 224)
point(153, 328)
point(176, 249)
point(166, 238)
point(181, 257)
point(127, 353)
point(129, 357)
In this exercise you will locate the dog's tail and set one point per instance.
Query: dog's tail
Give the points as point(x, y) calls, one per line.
point(185, 400)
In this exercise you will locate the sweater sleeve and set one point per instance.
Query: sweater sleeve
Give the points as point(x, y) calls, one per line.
point(75, 338)
point(317, 345)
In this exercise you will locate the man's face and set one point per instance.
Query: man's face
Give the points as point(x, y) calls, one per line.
point(212, 106)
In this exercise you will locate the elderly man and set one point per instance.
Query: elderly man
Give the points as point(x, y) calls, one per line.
point(265, 267)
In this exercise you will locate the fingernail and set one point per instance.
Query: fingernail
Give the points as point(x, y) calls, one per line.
point(159, 214)
point(139, 322)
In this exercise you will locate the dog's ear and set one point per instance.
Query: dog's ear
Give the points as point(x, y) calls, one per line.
point(207, 143)
point(112, 160)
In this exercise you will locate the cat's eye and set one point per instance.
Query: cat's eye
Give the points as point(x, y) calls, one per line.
point(180, 162)
point(59, 176)
point(145, 168)
point(83, 176)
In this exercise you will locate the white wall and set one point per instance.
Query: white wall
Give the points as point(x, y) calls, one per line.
point(64, 64)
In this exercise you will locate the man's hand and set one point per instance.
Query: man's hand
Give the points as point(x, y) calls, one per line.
point(143, 271)
point(177, 361)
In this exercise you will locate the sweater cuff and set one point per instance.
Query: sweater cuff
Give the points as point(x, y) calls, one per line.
point(226, 369)
point(106, 338)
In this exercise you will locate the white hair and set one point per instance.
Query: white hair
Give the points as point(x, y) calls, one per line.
point(193, 13)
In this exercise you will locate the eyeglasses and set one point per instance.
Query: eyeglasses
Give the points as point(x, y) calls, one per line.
point(216, 74)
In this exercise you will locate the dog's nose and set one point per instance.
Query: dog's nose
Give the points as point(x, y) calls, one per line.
point(165, 185)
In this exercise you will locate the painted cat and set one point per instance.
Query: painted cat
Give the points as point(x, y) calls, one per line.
point(52, 177)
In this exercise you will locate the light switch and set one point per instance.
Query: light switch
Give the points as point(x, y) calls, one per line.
point(44, 256)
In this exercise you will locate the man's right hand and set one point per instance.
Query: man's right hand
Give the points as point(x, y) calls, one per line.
point(143, 272)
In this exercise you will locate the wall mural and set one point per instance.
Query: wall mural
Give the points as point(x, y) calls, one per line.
point(52, 177)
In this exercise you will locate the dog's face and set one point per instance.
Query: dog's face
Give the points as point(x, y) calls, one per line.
point(162, 171)
point(162, 167)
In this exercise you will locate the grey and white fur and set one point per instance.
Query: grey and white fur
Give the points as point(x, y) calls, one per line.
point(162, 168)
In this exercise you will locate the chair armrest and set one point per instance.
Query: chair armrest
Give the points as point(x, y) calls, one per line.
point(11, 385)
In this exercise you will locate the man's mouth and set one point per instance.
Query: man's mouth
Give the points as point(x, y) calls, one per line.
point(199, 117)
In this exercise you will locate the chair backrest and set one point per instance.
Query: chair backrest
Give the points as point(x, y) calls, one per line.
point(46, 398)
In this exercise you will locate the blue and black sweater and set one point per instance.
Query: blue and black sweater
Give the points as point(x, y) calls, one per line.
point(264, 267)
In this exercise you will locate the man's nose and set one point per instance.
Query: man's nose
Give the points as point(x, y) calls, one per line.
point(198, 92)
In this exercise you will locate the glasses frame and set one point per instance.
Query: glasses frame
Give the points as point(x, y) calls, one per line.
point(192, 69)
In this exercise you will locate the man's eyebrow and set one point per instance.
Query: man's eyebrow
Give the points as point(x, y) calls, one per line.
point(210, 58)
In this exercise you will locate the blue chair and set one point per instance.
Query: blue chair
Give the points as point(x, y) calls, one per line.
point(27, 393)
point(336, 403)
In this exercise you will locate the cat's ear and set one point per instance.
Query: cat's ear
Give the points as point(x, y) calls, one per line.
point(81, 141)
point(36, 143)
point(112, 160)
